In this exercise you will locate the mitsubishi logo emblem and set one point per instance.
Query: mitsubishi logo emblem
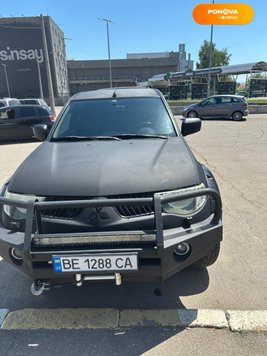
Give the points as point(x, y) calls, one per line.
point(96, 214)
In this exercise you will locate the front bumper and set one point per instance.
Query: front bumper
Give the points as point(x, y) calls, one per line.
point(155, 249)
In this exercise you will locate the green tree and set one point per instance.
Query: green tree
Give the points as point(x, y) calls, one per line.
point(257, 76)
point(218, 58)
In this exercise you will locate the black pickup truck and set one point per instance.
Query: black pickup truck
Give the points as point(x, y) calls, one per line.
point(113, 193)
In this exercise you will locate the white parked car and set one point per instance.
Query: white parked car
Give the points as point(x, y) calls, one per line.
point(9, 102)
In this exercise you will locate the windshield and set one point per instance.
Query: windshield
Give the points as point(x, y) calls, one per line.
point(115, 117)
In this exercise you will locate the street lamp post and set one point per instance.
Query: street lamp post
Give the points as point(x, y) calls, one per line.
point(109, 61)
point(210, 57)
point(40, 80)
point(48, 70)
point(7, 83)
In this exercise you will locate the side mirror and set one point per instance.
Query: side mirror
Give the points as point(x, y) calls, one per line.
point(40, 131)
point(190, 126)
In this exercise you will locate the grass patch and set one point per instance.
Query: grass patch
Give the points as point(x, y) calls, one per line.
point(258, 101)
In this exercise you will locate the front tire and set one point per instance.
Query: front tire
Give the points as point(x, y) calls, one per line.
point(237, 116)
point(192, 114)
point(209, 259)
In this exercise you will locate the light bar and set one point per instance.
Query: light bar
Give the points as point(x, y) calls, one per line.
point(89, 239)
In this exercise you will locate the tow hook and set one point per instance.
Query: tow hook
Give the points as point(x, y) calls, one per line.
point(38, 288)
point(79, 278)
point(118, 279)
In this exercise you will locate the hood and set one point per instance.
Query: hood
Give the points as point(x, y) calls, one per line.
point(103, 168)
point(191, 106)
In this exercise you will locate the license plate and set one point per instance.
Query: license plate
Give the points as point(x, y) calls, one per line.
point(96, 263)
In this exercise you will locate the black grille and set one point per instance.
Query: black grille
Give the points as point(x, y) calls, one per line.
point(124, 211)
point(64, 213)
point(134, 210)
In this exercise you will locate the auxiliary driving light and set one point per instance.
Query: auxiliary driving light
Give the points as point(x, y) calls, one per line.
point(16, 256)
point(182, 249)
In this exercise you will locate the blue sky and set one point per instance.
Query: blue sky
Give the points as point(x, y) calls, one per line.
point(144, 26)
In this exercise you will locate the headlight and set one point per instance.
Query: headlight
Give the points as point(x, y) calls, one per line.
point(187, 206)
point(17, 213)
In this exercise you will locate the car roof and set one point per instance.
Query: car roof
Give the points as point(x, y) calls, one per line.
point(116, 93)
point(230, 95)
point(31, 99)
point(8, 100)
point(24, 106)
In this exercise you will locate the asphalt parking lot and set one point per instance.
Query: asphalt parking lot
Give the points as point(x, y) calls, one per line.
point(236, 152)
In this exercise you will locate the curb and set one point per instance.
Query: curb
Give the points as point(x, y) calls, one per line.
point(247, 320)
point(174, 317)
point(83, 318)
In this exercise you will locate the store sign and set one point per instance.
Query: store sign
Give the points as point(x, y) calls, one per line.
point(9, 54)
point(22, 53)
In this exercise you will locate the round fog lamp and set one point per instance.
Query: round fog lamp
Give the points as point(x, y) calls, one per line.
point(16, 254)
point(182, 249)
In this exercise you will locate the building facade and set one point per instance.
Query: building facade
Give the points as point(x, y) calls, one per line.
point(23, 65)
point(184, 64)
point(136, 68)
point(33, 47)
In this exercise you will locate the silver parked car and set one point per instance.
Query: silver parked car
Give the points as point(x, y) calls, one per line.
point(219, 106)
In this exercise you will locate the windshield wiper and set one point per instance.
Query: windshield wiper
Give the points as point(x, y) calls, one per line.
point(126, 136)
point(85, 138)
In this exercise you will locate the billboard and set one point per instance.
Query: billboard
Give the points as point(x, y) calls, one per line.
point(257, 87)
point(21, 59)
point(178, 92)
point(226, 87)
point(199, 90)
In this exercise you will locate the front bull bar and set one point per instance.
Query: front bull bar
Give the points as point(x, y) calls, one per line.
point(34, 208)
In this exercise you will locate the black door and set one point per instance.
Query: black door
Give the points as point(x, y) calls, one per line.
point(26, 117)
point(16, 122)
point(7, 124)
